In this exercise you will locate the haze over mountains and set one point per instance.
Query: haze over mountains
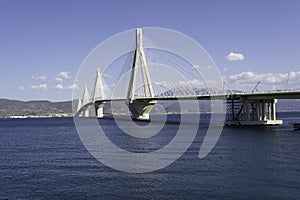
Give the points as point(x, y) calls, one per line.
point(33, 108)
point(47, 108)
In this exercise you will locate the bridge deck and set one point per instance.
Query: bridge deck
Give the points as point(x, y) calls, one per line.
point(263, 112)
point(292, 94)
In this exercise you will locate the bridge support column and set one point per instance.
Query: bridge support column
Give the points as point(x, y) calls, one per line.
point(99, 107)
point(140, 109)
point(269, 111)
point(273, 109)
point(86, 113)
point(258, 111)
point(244, 111)
point(263, 111)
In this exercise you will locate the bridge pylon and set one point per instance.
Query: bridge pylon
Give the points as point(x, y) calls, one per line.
point(83, 104)
point(79, 105)
point(140, 109)
point(98, 95)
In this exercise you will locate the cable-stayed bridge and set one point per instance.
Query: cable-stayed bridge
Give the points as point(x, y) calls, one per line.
point(143, 86)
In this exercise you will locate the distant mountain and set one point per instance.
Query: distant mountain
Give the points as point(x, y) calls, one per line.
point(33, 108)
point(48, 108)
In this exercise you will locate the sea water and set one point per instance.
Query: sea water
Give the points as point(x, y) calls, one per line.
point(43, 158)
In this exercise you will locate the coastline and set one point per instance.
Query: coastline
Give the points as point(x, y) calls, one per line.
point(36, 116)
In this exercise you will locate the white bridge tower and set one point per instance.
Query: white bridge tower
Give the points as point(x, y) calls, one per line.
point(140, 109)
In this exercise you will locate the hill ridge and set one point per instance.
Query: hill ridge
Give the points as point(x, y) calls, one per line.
point(10, 107)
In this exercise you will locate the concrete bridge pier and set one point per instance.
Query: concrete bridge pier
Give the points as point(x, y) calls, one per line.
point(86, 113)
point(245, 111)
point(266, 110)
point(140, 109)
point(99, 107)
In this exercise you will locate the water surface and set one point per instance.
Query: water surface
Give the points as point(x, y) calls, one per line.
point(45, 159)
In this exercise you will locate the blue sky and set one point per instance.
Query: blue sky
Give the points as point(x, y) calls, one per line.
point(43, 43)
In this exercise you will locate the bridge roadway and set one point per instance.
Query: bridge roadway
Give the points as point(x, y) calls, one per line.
point(259, 97)
point(290, 94)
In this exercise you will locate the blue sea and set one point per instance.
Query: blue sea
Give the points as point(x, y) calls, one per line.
point(44, 158)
